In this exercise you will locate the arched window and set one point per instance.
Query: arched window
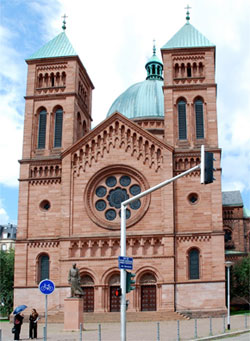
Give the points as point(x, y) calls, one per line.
point(194, 264)
point(58, 128)
point(189, 70)
point(43, 267)
point(198, 105)
point(182, 124)
point(42, 129)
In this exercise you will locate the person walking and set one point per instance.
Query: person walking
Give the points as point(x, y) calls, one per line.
point(18, 321)
point(33, 324)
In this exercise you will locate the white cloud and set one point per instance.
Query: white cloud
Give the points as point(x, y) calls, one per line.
point(4, 218)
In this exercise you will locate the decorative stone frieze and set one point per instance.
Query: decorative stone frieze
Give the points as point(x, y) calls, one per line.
point(118, 135)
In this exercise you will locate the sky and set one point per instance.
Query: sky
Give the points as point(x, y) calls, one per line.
point(114, 40)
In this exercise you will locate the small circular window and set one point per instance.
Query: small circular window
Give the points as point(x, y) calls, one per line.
point(45, 205)
point(193, 198)
point(108, 189)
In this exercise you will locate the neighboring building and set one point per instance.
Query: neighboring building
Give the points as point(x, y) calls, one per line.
point(236, 224)
point(7, 237)
point(73, 180)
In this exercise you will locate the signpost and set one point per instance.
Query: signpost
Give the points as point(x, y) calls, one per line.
point(205, 166)
point(125, 263)
point(46, 287)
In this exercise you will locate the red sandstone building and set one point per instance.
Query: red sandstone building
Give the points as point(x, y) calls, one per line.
point(73, 179)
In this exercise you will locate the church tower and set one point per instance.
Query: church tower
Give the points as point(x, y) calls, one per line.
point(190, 90)
point(58, 99)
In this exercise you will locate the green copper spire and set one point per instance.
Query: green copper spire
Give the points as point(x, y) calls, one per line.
point(154, 66)
point(60, 46)
point(187, 37)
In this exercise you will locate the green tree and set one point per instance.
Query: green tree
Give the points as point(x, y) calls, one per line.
point(6, 281)
point(240, 280)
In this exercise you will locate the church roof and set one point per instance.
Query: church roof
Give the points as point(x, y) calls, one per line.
point(232, 198)
point(187, 37)
point(60, 46)
point(141, 100)
point(144, 99)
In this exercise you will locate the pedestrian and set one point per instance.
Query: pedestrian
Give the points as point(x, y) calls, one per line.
point(33, 324)
point(18, 321)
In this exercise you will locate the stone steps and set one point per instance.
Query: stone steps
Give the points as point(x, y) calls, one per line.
point(115, 317)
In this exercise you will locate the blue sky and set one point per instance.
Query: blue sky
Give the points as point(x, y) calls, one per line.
point(114, 40)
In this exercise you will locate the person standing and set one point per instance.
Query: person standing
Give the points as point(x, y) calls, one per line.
point(33, 324)
point(18, 321)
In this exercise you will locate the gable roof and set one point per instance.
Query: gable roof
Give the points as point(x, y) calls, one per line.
point(60, 46)
point(188, 36)
point(232, 198)
point(117, 130)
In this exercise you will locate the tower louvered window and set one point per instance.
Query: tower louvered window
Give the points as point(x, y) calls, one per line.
point(199, 119)
point(58, 128)
point(42, 130)
point(194, 266)
point(182, 120)
point(43, 270)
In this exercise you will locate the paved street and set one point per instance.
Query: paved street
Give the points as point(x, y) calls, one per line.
point(136, 331)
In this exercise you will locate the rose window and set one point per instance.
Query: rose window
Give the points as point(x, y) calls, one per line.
point(107, 192)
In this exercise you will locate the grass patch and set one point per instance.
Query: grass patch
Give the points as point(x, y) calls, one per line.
point(240, 312)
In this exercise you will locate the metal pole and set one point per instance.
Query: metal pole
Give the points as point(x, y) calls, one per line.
point(123, 273)
point(44, 333)
point(162, 184)
point(210, 327)
point(46, 315)
point(195, 329)
point(80, 331)
point(123, 241)
point(158, 331)
point(0, 334)
point(228, 297)
point(178, 330)
point(99, 332)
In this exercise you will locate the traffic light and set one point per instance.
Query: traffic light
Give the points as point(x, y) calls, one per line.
point(207, 167)
point(118, 292)
point(129, 281)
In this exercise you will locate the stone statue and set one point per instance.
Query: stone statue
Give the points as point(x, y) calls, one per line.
point(74, 281)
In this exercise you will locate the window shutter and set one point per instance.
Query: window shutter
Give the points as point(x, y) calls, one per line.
point(182, 120)
point(42, 130)
point(199, 120)
point(44, 271)
point(58, 128)
point(194, 264)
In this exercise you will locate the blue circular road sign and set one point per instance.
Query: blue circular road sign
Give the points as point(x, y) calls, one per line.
point(46, 287)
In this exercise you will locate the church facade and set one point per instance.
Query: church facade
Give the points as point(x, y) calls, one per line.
point(74, 178)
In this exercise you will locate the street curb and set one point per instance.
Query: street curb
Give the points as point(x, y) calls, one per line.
point(222, 336)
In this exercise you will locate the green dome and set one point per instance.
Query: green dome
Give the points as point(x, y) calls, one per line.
point(144, 99)
point(141, 100)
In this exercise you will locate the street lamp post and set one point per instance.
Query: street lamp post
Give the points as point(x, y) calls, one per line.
point(228, 265)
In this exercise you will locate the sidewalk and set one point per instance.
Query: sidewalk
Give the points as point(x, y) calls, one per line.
point(136, 331)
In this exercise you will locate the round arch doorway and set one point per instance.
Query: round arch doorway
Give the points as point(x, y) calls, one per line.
point(87, 285)
point(114, 284)
point(148, 292)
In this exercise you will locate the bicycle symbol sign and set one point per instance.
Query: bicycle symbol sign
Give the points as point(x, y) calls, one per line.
point(46, 287)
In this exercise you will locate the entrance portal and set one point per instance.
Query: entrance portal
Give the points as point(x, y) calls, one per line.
point(148, 292)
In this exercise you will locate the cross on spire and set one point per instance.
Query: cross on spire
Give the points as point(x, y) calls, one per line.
point(64, 22)
point(188, 17)
point(154, 49)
